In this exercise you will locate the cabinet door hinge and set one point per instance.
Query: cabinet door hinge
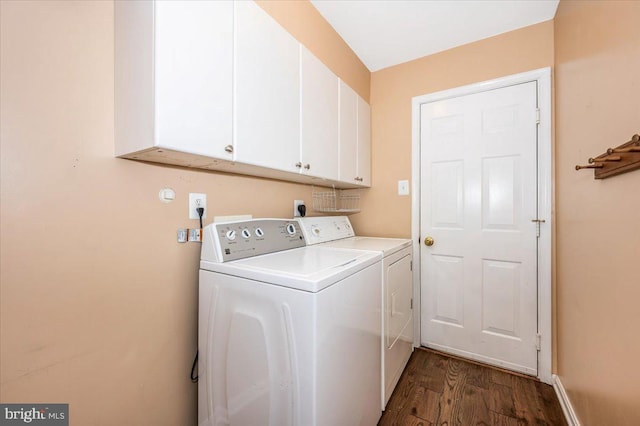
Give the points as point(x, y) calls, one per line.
point(537, 115)
point(411, 306)
point(411, 265)
point(538, 341)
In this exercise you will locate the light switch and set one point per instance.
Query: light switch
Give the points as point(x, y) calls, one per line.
point(403, 187)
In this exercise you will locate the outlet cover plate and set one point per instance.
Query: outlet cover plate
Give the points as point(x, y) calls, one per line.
point(296, 203)
point(197, 200)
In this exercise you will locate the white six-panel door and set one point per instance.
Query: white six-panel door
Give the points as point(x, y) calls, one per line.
point(478, 200)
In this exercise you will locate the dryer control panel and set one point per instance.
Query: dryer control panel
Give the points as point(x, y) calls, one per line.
point(238, 240)
point(323, 229)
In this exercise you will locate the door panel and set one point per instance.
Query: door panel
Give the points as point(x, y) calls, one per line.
point(448, 297)
point(479, 292)
point(501, 193)
point(447, 202)
point(500, 294)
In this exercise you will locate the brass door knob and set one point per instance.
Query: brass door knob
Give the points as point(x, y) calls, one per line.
point(428, 241)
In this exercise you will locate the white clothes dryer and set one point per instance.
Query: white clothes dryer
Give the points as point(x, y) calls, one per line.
point(288, 334)
point(397, 287)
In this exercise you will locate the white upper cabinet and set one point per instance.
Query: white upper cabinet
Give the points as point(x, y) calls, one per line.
point(319, 112)
point(173, 63)
point(355, 138)
point(364, 143)
point(266, 91)
point(220, 85)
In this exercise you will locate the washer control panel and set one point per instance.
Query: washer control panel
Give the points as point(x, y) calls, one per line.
point(323, 229)
point(238, 240)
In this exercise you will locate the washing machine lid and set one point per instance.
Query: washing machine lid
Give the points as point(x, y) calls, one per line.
point(386, 246)
point(308, 268)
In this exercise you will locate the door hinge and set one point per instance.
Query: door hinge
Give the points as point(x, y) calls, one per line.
point(411, 305)
point(537, 115)
point(538, 341)
point(411, 265)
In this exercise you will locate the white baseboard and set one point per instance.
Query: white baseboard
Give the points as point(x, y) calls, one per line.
point(567, 408)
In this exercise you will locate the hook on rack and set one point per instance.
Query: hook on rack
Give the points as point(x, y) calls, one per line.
point(590, 166)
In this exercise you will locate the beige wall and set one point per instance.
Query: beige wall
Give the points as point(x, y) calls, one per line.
point(384, 212)
point(598, 231)
point(98, 302)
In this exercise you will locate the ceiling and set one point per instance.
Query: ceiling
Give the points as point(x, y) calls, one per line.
point(388, 32)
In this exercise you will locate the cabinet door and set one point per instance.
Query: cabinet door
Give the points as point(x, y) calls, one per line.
point(319, 111)
point(267, 91)
point(193, 76)
point(364, 143)
point(348, 134)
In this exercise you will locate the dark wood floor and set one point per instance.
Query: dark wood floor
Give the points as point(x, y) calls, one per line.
point(439, 390)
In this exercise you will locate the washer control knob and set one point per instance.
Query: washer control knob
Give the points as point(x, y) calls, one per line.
point(246, 233)
point(291, 230)
point(259, 232)
point(231, 235)
point(315, 230)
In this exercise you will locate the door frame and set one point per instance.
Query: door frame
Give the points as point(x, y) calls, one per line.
point(545, 199)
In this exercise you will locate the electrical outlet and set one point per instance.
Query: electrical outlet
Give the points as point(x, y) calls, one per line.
point(197, 200)
point(296, 203)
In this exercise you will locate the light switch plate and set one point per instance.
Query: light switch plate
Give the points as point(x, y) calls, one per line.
point(403, 187)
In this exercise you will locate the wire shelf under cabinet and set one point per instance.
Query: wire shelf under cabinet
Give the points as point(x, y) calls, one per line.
point(336, 201)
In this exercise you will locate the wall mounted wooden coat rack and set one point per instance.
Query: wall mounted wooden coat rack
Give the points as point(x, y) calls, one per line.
point(615, 161)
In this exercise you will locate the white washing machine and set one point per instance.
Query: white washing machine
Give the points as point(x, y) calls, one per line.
point(288, 334)
point(397, 287)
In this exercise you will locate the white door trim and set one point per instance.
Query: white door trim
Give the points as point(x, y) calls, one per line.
point(545, 198)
